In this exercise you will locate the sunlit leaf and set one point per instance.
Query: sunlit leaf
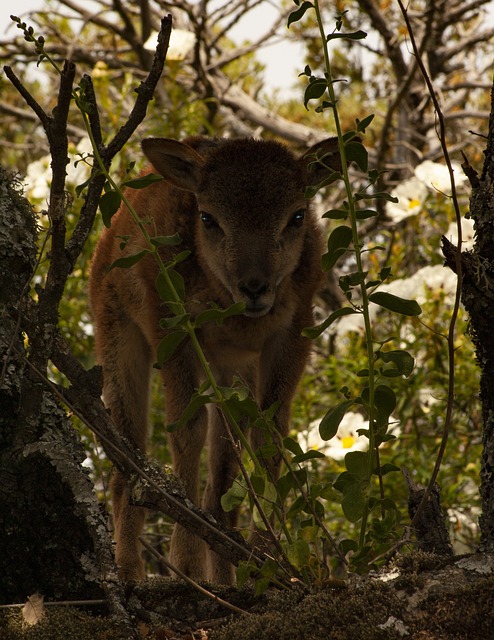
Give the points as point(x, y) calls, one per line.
point(234, 497)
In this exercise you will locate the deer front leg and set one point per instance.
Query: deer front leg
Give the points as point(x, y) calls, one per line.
point(223, 469)
point(187, 551)
point(282, 364)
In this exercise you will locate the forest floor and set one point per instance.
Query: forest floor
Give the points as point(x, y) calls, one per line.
point(420, 597)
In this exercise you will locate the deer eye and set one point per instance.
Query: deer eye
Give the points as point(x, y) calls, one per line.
point(208, 220)
point(297, 218)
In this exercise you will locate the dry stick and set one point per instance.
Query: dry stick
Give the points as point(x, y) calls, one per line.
point(62, 603)
point(454, 314)
point(194, 584)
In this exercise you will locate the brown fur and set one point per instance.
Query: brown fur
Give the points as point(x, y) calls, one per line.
point(254, 252)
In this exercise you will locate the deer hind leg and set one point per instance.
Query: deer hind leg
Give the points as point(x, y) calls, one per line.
point(187, 551)
point(126, 360)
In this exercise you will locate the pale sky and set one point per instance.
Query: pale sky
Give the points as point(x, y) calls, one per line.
point(283, 61)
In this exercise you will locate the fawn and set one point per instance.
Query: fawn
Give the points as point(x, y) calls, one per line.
point(240, 210)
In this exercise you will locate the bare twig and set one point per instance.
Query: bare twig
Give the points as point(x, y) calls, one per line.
point(193, 583)
point(454, 314)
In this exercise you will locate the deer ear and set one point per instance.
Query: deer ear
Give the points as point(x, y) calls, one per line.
point(175, 161)
point(326, 151)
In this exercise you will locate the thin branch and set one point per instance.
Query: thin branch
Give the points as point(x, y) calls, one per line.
point(30, 101)
point(454, 314)
point(194, 584)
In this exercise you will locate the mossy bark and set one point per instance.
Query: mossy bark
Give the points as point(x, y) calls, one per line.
point(53, 536)
point(478, 298)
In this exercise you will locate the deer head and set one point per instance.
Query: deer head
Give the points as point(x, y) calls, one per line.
point(252, 217)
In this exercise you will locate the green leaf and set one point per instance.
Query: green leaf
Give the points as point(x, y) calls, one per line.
point(363, 124)
point(314, 332)
point(159, 241)
point(354, 35)
point(142, 181)
point(167, 289)
point(296, 15)
point(168, 345)
point(218, 315)
point(291, 480)
point(298, 553)
point(128, 261)
point(386, 468)
point(348, 545)
point(244, 571)
point(403, 362)
point(357, 463)
point(354, 502)
point(175, 321)
point(364, 214)
point(336, 214)
point(109, 203)
point(314, 90)
point(331, 421)
point(292, 445)
point(385, 402)
point(180, 257)
point(234, 497)
point(311, 190)
point(308, 455)
point(396, 304)
point(80, 187)
point(356, 152)
point(197, 401)
point(378, 195)
point(338, 243)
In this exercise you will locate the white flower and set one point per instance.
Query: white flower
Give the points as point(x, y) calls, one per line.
point(347, 439)
point(181, 42)
point(428, 278)
point(411, 195)
point(38, 176)
point(435, 176)
point(467, 234)
point(38, 179)
point(435, 278)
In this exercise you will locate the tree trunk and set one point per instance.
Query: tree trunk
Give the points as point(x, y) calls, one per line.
point(478, 298)
point(53, 536)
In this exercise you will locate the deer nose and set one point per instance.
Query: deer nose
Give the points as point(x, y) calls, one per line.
point(253, 288)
